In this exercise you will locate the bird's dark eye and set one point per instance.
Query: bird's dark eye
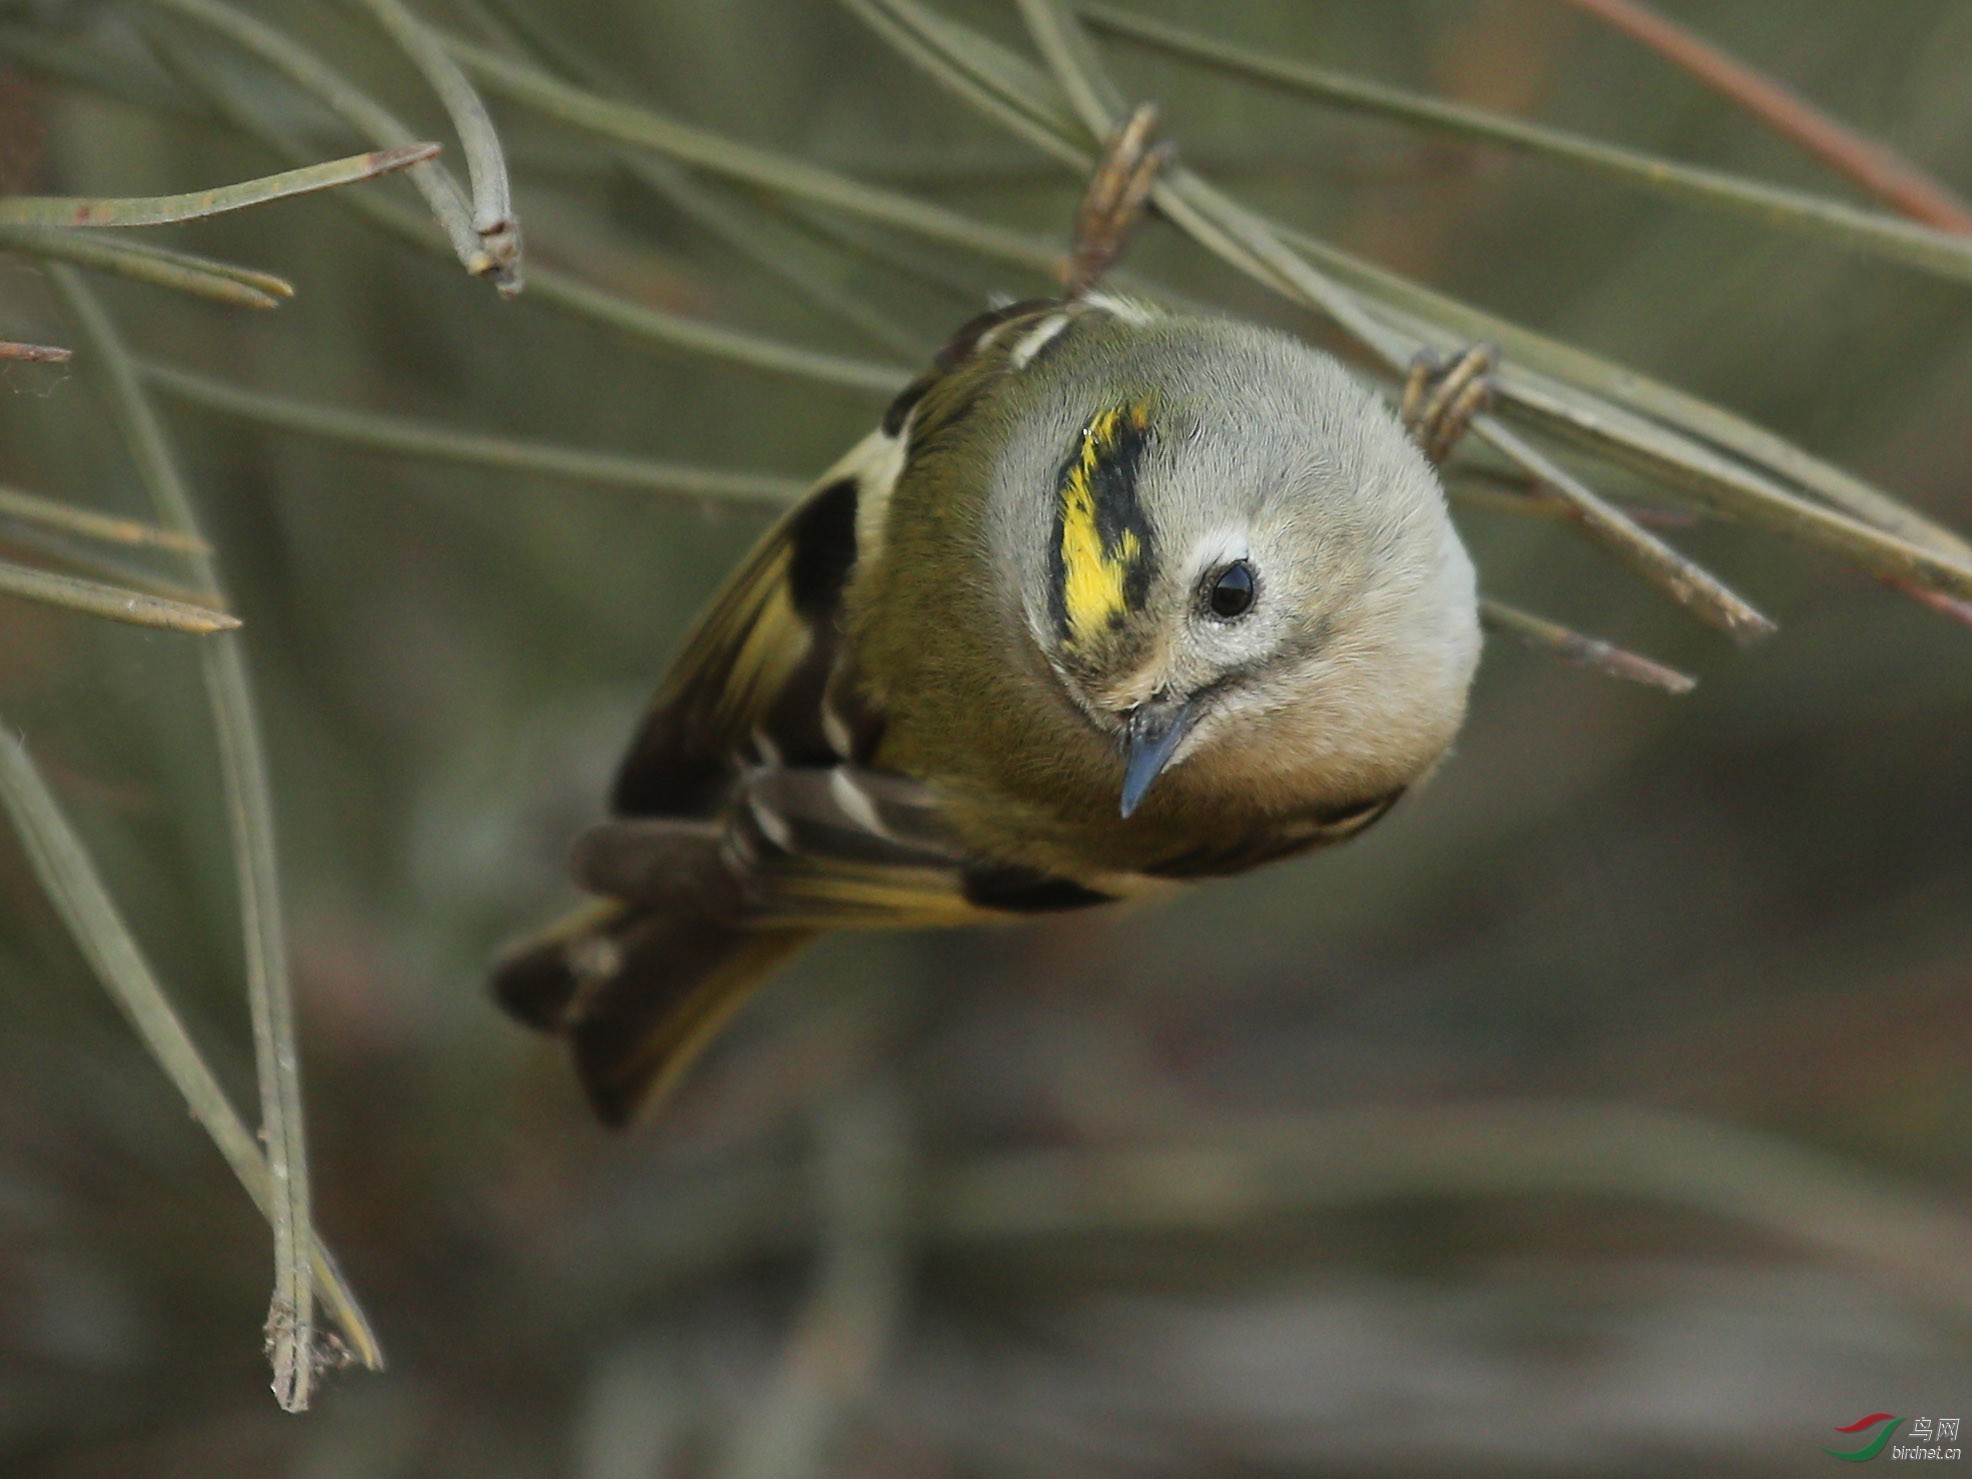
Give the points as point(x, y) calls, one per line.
point(1232, 591)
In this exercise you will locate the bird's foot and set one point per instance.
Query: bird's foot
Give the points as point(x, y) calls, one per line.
point(1443, 395)
point(1114, 202)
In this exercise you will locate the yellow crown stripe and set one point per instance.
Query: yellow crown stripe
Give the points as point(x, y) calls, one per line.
point(1094, 590)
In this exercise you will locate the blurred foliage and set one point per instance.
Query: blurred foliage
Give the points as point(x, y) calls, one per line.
point(1605, 1111)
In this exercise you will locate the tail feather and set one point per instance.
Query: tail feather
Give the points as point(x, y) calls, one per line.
point(638, 995)
point(538, 979)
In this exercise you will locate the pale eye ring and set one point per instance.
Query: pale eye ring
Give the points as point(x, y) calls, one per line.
point(1231, 593)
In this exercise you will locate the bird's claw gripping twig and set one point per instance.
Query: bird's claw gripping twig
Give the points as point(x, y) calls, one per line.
point(1115, 199)
point(1442, 396)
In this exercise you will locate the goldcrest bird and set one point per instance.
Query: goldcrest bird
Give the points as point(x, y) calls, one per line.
point(1112, 599)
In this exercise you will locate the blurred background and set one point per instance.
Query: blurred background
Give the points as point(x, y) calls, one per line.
point(1605, 1111)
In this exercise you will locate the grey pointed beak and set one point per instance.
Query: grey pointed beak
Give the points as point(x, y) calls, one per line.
point(1151, 736)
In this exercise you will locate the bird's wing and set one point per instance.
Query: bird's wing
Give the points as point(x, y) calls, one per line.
point(752, 684)
point(749, 792)
point(759, 680)
point(815, 847)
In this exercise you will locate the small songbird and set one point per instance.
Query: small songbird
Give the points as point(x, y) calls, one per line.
point(1112, 599)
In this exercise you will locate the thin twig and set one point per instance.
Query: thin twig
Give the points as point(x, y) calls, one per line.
point(343, 98)
point(94, 598)
point(899, 258)
point(1688, 582)
point(1920, 246)
point(1940, 563)
point(548, 287)
point(751, 232)
point(1957, 609)
point(404, 436)
point(1572, 646)
point(44, 211)
point(243, 762)
point(1245, 240)
point(1499, 491)
point(645, 128)
point(146, 262)
point(742, 227)
point(34, 354)
point(34, 509)
point(486, 162)
point(62, 864)
point(1615, 408)
point(1874, 166)
point(1000, 85)
point(1775, 206)
point(94, 563)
